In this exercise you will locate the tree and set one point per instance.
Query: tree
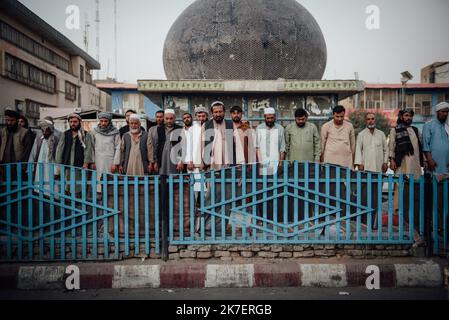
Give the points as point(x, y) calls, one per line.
point(357, 119)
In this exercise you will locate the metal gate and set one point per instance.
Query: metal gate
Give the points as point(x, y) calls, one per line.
point(75, 214)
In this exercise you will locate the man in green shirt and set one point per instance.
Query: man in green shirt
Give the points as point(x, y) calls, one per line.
point(302, 139)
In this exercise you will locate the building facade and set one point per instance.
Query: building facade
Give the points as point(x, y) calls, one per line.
point(285, 96)
point(40, 69)
point(125, 96)
point(388, 99)
point(437, 72)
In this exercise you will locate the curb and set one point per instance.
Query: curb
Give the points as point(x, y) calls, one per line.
point(289, 274)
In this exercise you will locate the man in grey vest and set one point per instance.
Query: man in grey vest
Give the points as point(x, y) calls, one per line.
point(135, 149)
point(221, 149)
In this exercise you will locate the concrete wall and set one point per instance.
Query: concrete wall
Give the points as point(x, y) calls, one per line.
point(442, 74)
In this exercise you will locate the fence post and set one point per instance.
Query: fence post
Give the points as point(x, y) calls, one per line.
point(428, 213)
point(164, 214)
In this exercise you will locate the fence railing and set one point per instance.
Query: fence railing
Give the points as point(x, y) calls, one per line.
point(53, 212)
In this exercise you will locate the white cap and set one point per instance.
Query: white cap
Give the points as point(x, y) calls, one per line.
point(216, 103)
point(169, 111)
point(441, 106)
point(269, 111)
point(134, 117)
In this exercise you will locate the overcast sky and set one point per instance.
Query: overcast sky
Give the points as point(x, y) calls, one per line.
point(411, 35)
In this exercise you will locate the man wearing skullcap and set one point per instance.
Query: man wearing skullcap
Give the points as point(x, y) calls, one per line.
point(270, 150)
point(201, 114)
point(74, 149)
point(14, 140)
point(270, 143)
point(56, 132)
point(219, 145)
point(106, 145)
point(406, 157)
point(338, 140)
point(168, 136)
point(125, 129)
point(44, 151)
point(405, 146)
point(136, 150)
point(221, 149)
point(436, 140)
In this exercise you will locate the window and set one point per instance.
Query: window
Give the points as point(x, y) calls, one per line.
point(29, 75)
point(24, 42)
point(423, 104)
point(81, 73)
point(70, 91)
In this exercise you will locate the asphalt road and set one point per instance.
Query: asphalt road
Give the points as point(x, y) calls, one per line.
point(234, 294)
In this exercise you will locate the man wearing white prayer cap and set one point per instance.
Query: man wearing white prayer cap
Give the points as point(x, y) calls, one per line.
point(270, 142)
point(136, 150)
point(270, 151)
point(125, 128)
point(269, 111)
point(168, 136)
point(436, 140)
point(44, 151)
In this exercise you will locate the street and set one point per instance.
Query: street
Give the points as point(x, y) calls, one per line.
point(291, 293)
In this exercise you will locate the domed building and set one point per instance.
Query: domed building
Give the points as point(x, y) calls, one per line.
point(251, 53)
point(245, 39)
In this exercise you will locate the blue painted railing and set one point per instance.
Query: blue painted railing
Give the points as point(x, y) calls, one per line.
point(76, 214)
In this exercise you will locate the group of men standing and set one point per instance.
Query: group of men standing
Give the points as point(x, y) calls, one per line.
point(203, 143)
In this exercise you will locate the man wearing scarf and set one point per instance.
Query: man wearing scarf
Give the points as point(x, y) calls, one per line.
point(405, 146)
point(44, 150)
point(406, 157)
point(106, 145)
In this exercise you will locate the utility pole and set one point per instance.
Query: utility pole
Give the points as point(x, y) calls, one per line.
point(86, 33)
point(97, 24)
point(115, 40)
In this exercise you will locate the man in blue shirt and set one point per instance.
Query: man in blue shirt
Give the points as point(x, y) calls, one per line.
point(436, 141)
point(436, 151)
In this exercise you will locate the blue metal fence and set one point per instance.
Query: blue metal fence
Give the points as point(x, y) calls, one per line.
point(301, 203)
point(52, 212)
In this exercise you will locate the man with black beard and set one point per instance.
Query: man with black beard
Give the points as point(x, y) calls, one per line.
point(270, 148)
point(244, 132)
point(220, 148)
point(220, 151)
point(270, 143)
point(152, 134)
point(405, 146)
point(23, 122)
point(406, 158)
point(14, 140)
point(74, 149)
point(302, 139)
